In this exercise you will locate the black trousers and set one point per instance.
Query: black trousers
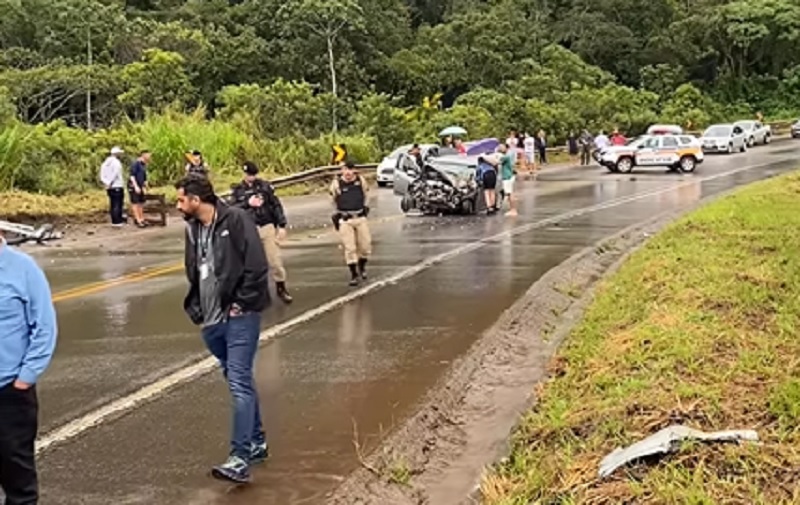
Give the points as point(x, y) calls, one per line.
point(19, 411)
point(586, 156)
point(116, 202)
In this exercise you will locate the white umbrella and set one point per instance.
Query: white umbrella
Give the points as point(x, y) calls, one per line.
point(453, 131)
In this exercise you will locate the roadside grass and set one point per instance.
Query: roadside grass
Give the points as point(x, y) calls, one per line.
point(699, 327)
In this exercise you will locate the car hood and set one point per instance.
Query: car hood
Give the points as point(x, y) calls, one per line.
point(387, 163)
point(715, 139)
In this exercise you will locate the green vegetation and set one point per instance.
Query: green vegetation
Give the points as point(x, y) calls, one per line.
point(278, 81)
point(698, 327)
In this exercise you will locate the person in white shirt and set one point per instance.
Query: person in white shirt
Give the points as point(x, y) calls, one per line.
point(530, 152)
point(602, 140)
point(114, 182)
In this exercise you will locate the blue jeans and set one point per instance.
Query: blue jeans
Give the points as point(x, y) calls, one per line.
point(234, 343)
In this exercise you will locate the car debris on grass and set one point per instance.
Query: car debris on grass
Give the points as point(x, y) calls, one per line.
point(698, 328)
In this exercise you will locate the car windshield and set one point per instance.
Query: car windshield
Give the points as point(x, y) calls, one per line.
point(745, 125)
point(718, 131)
point(456, 170)
point(400, 150)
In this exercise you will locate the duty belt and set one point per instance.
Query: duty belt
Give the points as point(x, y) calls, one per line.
point(351, 214)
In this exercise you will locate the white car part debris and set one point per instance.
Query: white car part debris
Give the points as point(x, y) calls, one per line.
point(666, 441)
point(23, 233)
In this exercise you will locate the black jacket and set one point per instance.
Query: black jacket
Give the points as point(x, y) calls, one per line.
point(270, 212)
point(239, 263)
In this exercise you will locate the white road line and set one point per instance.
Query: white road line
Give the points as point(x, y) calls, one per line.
point(150, 391)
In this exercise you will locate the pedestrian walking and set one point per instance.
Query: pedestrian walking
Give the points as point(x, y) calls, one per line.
point(228, 274)
point(137, 187)
point(257, 196)
point(508, 175)
point(114, 182)
point(349, 192)
point(28, 333)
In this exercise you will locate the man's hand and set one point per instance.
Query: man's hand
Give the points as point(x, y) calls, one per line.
point(21, 386)
point(281, 234)
point(138, 190)
point(255, 201)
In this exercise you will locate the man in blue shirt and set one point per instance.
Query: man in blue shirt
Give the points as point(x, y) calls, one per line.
point(27, 341)
point(137, 186)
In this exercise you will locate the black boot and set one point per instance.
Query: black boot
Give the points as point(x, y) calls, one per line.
point(283, 293)
point(353, 274)
point(362, 268)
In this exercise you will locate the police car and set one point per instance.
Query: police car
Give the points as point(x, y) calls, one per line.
point(676, 151)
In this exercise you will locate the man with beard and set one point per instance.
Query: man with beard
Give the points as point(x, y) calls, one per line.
point(227, 271)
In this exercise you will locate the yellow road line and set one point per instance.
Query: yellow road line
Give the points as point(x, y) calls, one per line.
point(96, 287)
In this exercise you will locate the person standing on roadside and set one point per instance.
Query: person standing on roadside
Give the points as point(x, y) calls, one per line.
point(228, 289)
point(585, 142)
point(257, 196)
point(28, 331)
point(601, 141)
point(114, 182)
point(487, 178)
point(508, 175)
point(541, 146)
point(196, 164)
point(137, 185)
point(349, 191)
point(572, 148)
point(618, 139)
point(529, 146)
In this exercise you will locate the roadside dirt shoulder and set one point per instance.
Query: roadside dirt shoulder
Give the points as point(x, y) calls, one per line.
point(438, 456)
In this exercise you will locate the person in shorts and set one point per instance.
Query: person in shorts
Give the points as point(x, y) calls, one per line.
point(509, 177)
point(487, 178)
point(137, 185)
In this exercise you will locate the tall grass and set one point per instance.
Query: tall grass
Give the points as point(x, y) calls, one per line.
point(56, 159)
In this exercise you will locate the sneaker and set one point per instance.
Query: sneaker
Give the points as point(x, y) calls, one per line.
point(259, 453)
point(235, 470)
point(283, 293)
point(354, 282)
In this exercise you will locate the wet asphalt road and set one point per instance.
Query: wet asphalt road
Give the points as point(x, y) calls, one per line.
point(365, 364)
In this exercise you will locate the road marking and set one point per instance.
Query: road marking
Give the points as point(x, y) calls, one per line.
point(205, 365)
point(96, 287)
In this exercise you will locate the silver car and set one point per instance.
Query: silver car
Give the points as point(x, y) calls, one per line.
point(796, 130)
point(724, 138)
point(755, 132)
point(450, 181)
point(385, 171)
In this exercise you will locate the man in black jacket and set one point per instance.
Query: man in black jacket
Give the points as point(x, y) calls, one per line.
point(257, 197)
point(227, 272)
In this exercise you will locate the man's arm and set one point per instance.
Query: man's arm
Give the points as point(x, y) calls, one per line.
point(275, 204)
point(43, 327)
point(334, 191)
point(239, 196)
point(254, 261)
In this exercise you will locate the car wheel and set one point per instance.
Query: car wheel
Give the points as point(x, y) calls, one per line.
point(751, 142)
point(406, 204)
point(382, 184)
point(766, 139)
point(730, 149)
point(468, 207)
point(624, 165)
point(688, 164)
point(743, 149)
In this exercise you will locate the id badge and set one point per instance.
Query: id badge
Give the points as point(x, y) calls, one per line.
point(204, 271)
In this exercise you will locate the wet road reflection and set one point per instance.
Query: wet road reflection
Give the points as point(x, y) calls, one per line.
point(366, 364)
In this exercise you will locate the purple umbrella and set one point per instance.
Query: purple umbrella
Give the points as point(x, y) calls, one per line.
point(483, 146)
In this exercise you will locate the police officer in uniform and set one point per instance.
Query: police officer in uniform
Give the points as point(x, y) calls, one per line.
point(349, 192)
point(258, 197)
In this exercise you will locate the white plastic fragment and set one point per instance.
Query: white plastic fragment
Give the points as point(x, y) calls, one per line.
point(666, 441)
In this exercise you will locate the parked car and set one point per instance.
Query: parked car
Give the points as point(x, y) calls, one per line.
point(385, 170)
point(664, 129)
point(678, 152)
point(755, 132)
point(796, 130)
point(724, 138)
point(445, 184)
